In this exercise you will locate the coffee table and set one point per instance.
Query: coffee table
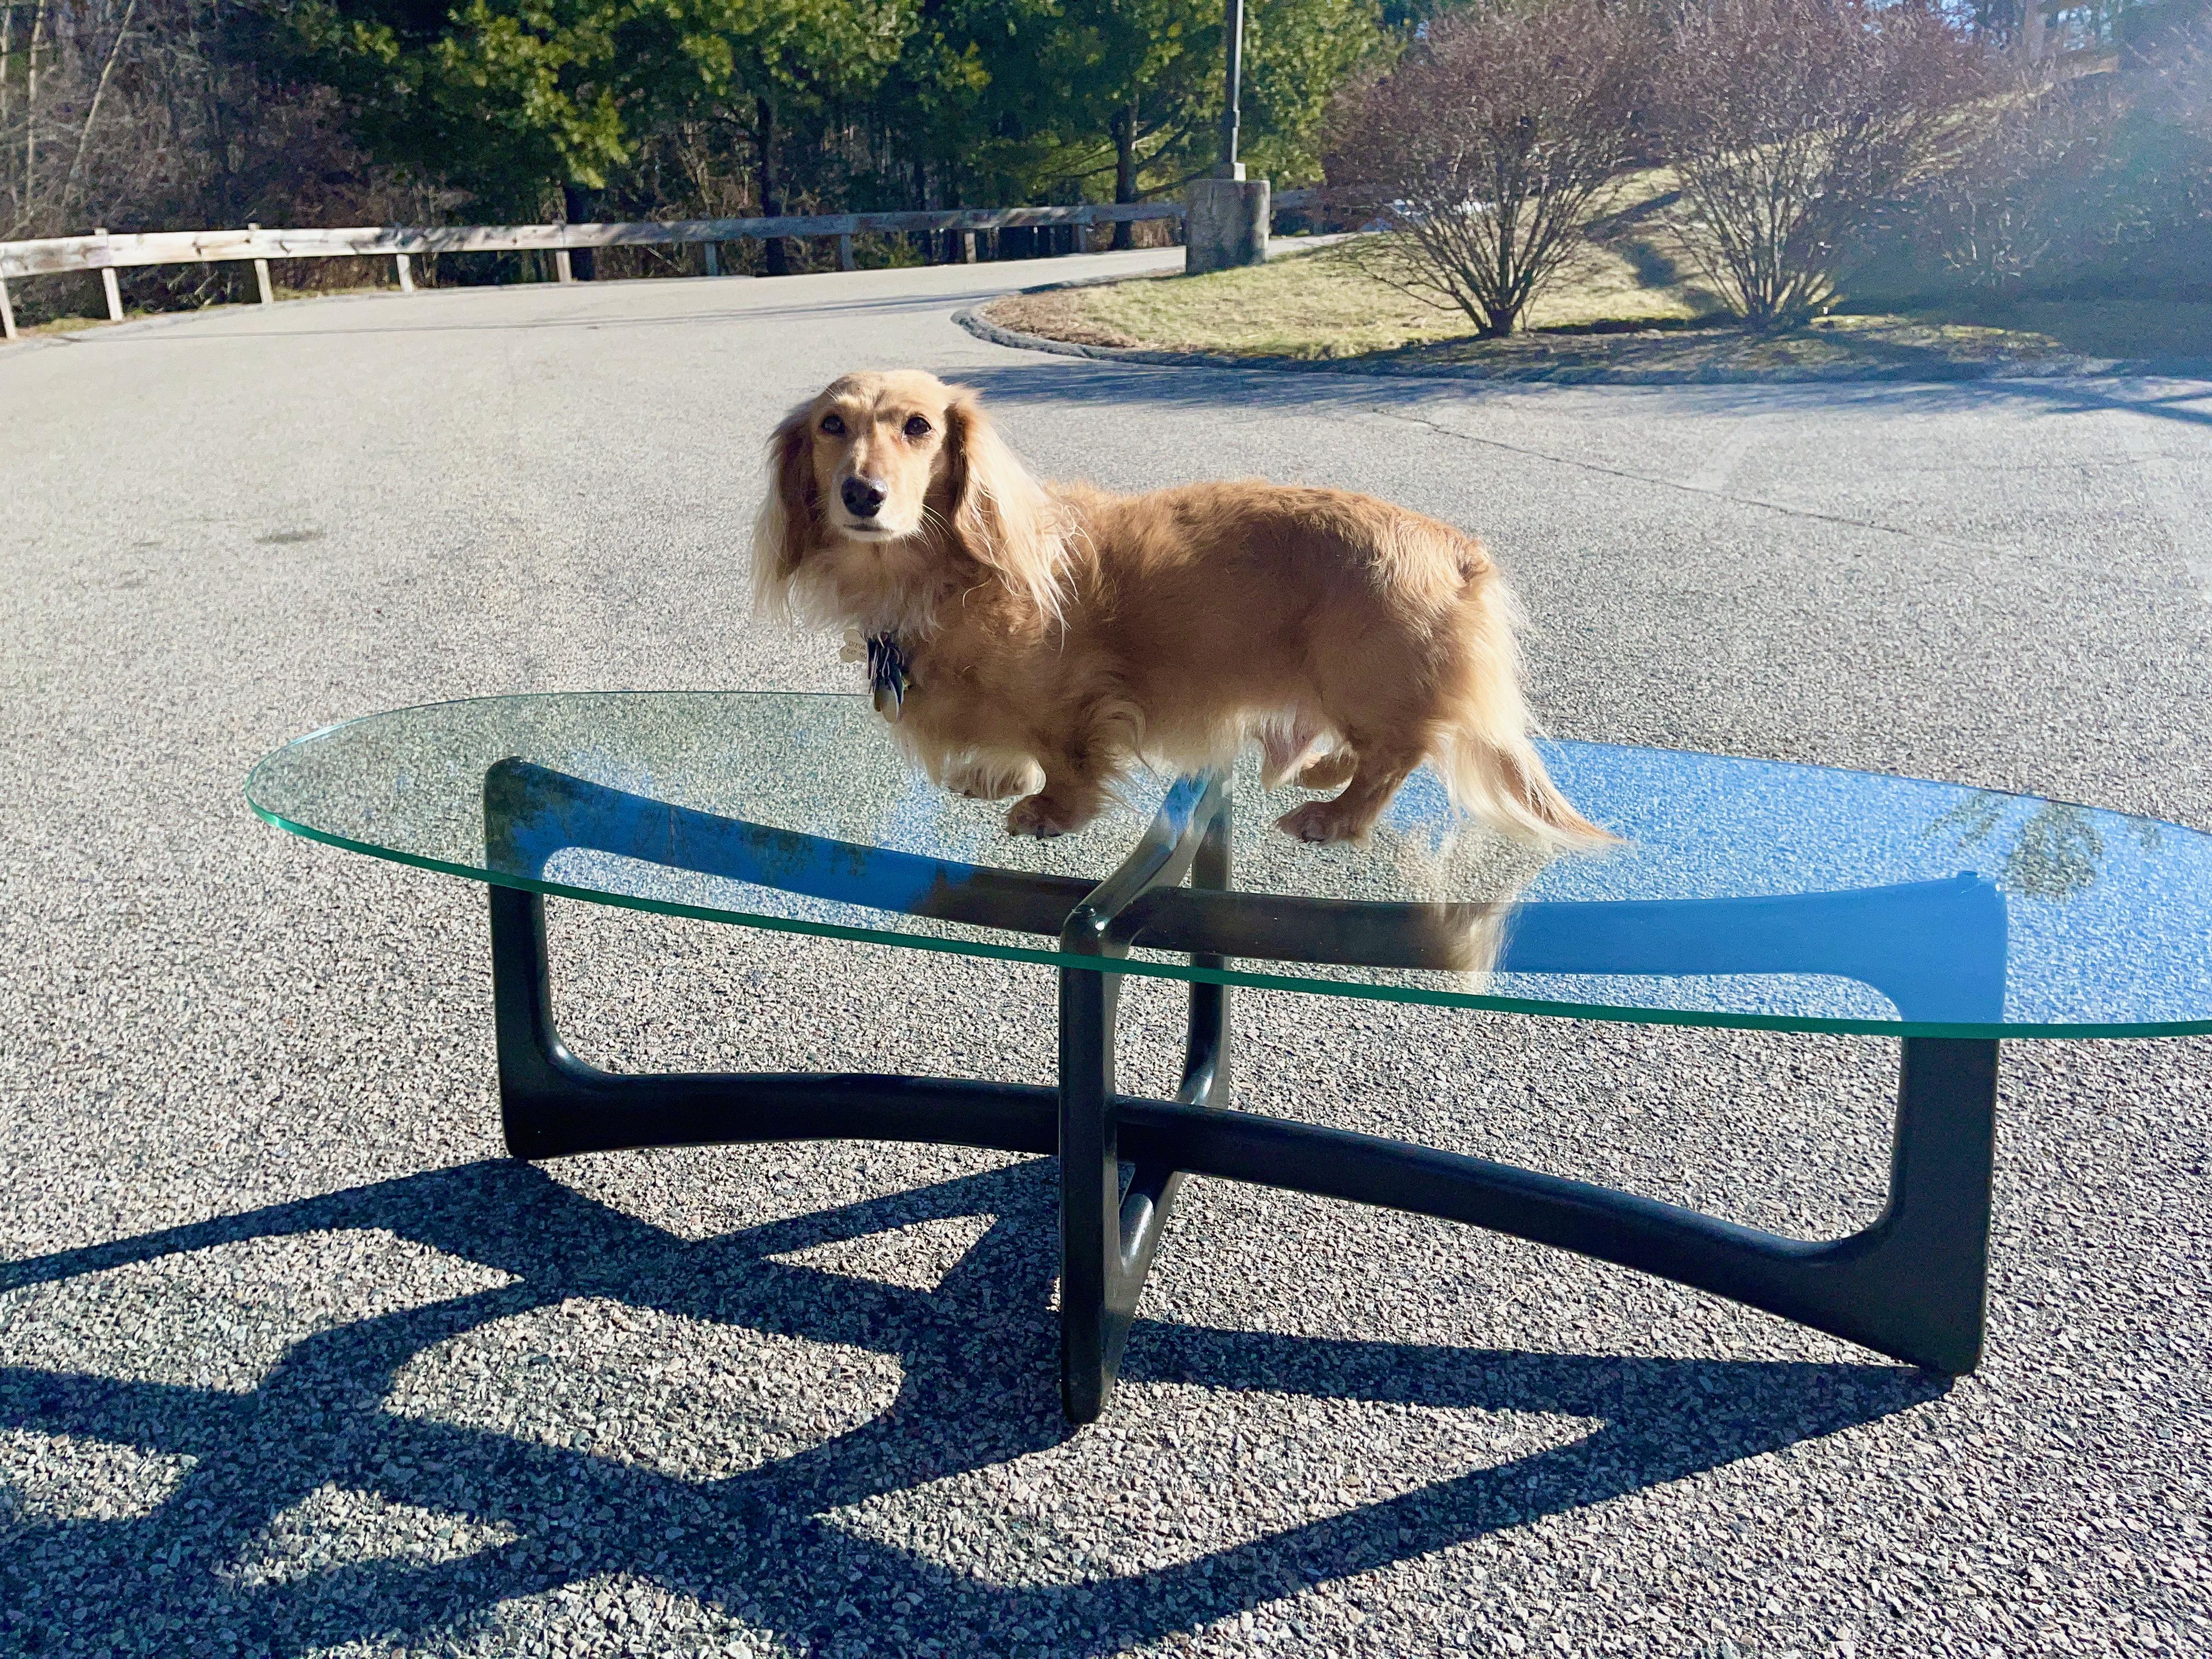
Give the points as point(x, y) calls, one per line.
point(1751, 894)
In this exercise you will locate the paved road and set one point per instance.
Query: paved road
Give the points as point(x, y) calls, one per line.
point(290, 1360)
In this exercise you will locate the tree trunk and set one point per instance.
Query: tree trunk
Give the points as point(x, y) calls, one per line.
point(917, 239)
point(775, 255)
point(1124, 126)
point(31, 112)
point(576, 208)
point(7, 57)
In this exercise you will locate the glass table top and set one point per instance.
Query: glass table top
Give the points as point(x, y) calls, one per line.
point(1749, 893)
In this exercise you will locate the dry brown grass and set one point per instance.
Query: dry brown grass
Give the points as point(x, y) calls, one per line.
point(1321, 304)
point(1324, 305)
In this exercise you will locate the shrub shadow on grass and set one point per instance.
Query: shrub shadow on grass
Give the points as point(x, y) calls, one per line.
point(1322, 389)
point(978, 1388)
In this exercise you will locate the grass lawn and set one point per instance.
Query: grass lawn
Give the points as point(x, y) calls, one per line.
point(58, 326)
point(1317, 304)
point(2107, 328)
point(1322, 305)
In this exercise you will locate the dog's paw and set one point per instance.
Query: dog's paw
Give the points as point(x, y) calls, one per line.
point(1042, 816)
point(1330, 771)
point(995, 780)
point(1322, 821)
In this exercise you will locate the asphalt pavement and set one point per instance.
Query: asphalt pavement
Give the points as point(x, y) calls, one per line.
point(293, 1360)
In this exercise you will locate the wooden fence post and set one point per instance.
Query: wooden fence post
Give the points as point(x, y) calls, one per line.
point(406, 274)
point(261, 273)
point(7, 312)
point(845, 253)
point(967, 247)
point(107, 285)
point(563, 271)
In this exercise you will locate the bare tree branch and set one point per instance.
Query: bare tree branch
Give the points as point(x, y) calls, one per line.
point(1483, 151)
point(92, 112)
point(1794, 124)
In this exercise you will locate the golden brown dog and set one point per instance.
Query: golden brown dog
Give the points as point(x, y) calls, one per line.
point(1040, 640)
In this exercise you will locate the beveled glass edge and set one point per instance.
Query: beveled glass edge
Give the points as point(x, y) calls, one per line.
point(1615, 1013)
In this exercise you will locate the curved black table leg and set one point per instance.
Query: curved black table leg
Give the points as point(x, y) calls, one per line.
point(1112, 1212)
point(552, 1105)
point(1097, 1300)
point(1920, 1289)
point(1911, 1284)
point(1206, 1065)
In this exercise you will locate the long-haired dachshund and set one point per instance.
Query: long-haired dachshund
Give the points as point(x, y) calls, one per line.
point(1039, 640)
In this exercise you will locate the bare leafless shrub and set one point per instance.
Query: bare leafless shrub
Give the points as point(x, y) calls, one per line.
point(2090, 185)
point(1482, 152)
point(2020, 201)
point(1796, 125)
point(2159, 180)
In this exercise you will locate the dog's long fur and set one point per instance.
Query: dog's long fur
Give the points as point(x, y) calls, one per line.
point(1057, 634)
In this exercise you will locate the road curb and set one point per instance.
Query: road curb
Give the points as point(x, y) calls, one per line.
point(983, 328)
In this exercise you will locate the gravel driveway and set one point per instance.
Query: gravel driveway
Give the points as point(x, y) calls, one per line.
point(292, 1360)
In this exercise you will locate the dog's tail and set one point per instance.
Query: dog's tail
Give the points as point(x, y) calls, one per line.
point(1501, 779)
point(1490, 767)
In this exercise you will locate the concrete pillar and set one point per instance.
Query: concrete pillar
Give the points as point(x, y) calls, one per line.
point(1228, 224)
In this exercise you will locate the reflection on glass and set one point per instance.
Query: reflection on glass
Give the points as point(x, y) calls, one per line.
point(2056, 849)
point(2053, 854)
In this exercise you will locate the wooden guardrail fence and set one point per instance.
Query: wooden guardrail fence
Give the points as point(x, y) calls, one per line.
point(107, 254)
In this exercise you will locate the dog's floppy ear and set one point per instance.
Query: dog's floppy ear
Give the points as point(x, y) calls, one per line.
point(788, 517)
point(1001, 516)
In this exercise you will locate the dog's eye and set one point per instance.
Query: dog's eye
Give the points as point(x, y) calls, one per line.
point(916, 426)
point(834, 425)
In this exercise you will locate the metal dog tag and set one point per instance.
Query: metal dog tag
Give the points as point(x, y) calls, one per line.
point(887, 675)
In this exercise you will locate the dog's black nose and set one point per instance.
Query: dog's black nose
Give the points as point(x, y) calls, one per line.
point(862, 497)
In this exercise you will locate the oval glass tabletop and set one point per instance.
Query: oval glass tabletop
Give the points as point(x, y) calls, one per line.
point(1749, 893)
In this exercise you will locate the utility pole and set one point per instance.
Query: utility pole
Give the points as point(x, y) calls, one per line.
point(1227, 222)
point(1233, 75)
